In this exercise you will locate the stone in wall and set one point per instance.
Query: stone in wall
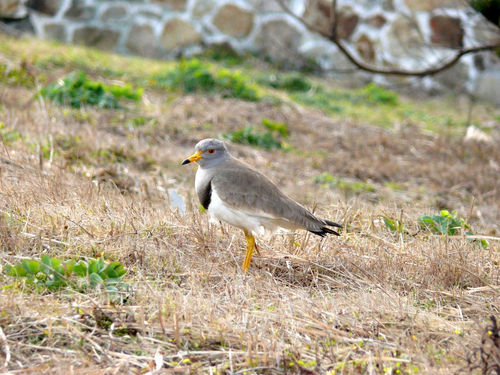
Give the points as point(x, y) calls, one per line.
point(455, 77)
point(99, 38)
point(114, 13)
point(80, 11)
point(430, 5)
point(178, 33)
point(176, 5)
point(317, 13)
point(488, 85)
point(12, 9)
point(346, 23)
point(404, 39)
point(364, 46)
point(202, 7)
point(279, 40)
point(55, 31)
point(446, 31)
point(49, 7)
point(234, 21)
point(486, 32)
point(376, 21)
point(141, 40)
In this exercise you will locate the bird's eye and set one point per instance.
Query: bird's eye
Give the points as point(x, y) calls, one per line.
point(210, 150)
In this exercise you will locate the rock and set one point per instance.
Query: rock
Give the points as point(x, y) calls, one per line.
point(141, 40)
point(365, 47)
point(346, 23)
point(202, 7)
point(317, 13)
point(178, 33)
point(488, 85)
point(455, 77)
point(485, 32)
point(114, 13)
point(279, 40)
point(233, 20)
point(79, 11)
point(12, 9)
point(274, 6)
point(95, 37)
point(403, 39)
point(429, 5)
point(49, 7)
point(475, 134)
point(376, 21)
point(326, 54)
point(177, 5)
point(446, 31)
point(55, 31)
point(176, 201)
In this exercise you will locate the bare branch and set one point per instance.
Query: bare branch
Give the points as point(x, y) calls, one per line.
point(333, 37)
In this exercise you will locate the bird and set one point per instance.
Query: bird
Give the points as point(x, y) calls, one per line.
point(232, 192)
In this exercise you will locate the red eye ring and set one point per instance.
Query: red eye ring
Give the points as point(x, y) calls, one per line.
point(211, 151)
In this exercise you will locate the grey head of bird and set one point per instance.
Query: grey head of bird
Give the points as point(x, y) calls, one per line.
point(209, 153)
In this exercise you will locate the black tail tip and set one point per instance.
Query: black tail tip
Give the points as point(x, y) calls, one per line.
point(332, 224)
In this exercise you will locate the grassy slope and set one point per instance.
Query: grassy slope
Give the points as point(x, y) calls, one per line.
point(78, 182)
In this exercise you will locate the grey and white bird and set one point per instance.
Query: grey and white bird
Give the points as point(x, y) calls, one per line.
point(231, 191)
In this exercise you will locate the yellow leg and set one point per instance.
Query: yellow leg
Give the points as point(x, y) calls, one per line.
point(250, 246)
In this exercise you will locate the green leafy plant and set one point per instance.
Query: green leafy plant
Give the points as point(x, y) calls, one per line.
point(444, 223)
point(53, 274)
point(16, 75)
point(249, 136)
point(344, 185)
point(8, 135)
point(77, 90)
point(448, 223)
point(272, 138)
point(394, 225)
point(293, 82)
point(196, 76)
point(380, 95)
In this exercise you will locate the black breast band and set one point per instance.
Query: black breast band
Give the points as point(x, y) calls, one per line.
point(205, 195)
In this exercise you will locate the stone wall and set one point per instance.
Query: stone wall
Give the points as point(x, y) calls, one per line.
point(404, 33)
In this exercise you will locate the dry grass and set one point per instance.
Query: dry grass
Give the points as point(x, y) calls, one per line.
point(371, 301)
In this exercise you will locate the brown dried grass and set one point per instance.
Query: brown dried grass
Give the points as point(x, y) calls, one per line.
point(370, 301)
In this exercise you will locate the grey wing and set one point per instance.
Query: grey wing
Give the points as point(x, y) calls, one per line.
point(243, 188)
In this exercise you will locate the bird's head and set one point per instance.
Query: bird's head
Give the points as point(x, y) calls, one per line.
point(209, 152)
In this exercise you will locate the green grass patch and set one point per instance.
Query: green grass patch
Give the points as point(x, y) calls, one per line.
point(16, 76)
point(77, 90)
point(348, 187)
point(449, 223)
point(52, 274)
point(272, 137)
point(9, 135)
point(196, 76)
point(292, 82)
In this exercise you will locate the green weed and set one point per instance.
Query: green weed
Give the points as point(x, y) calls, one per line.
point(293, 82)
point(447, 223)
point(16, 76)
point(51, 273)
point(9, 136)
point(77, 90)
point(196, 76)
point(351, 187)
point(379, 95)
point(272, 138)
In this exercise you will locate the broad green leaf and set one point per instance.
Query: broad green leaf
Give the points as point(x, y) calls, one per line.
point(17, 271)
point(31, 266)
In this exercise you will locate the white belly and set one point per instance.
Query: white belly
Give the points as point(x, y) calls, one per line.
point(241, 219)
